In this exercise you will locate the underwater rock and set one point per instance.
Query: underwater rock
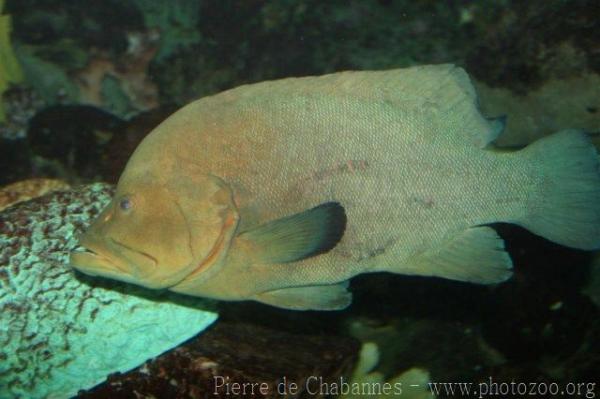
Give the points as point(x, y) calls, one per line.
point(14, 161)
point(61, 332)
point(48, 80)
point(558, 104)
point(524, 44)
point(74, 136)
point(93, 26)
point(273, 39)
point(449, 350)
point(27, 189)
point(20, 104)
point(75, 142)
point(592, 288)
point(72, 54)
point(121, 85)
point(121, 145)
point(240, 353)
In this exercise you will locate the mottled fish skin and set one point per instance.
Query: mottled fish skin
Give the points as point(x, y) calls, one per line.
point(58, 334)
point(405, 152)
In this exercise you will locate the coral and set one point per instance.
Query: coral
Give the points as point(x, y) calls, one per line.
point(27, 189)
point(177, 23)
point(123, 85)
point(114, 97)
point(48, 79)
point(10, 72)
point(411, 384)
point(61, 331)
point(69, 52)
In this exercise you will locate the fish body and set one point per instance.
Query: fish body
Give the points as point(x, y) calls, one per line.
point(227, 197)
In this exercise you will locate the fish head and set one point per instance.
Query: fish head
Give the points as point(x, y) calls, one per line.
point(155, 234)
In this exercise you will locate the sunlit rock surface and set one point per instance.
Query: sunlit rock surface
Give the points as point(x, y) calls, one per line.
point(235, 359)
point(61, 332)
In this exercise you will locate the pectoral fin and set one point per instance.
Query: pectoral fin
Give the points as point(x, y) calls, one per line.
point(319, 297)
point(299, 236)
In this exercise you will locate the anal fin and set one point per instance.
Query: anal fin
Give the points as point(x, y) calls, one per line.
point(475, 255)
point(318, 297)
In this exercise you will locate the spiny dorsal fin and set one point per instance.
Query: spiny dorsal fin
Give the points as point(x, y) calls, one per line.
point(299, 236)
point(497, 125)
point(441, 98)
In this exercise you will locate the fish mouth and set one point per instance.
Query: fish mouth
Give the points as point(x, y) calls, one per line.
point(88, 259)
point(91, 262)
point(112, 259)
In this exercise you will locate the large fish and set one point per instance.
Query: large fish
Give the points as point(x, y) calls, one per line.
point(282, 191)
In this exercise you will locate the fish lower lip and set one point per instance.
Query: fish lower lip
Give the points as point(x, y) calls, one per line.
point(144, 254)
point(83, 250)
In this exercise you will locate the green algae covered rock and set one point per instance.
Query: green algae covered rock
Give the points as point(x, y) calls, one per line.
point(10, 72)
point(60, 331)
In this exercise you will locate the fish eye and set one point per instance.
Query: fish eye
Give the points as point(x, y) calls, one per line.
point(125, 204)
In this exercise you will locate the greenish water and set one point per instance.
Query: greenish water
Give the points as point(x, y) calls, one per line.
point(96, 78)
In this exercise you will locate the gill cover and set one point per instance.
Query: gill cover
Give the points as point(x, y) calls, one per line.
point(156, 233)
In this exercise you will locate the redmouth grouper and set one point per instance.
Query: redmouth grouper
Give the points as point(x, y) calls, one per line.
point(282, 191)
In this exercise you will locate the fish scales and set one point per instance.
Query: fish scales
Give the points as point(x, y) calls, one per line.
point(283, 137)
point(240, 194)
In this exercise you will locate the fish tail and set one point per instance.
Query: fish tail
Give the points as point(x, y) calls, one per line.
point(566, 206)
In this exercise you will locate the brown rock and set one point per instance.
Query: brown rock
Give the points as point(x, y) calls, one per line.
point(558, 104)
point(28, 189)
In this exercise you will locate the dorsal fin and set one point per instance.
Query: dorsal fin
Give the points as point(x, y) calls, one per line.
point(498, 125)
point(440, 98)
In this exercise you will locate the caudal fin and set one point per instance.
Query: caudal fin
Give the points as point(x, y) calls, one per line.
point(566, 207)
